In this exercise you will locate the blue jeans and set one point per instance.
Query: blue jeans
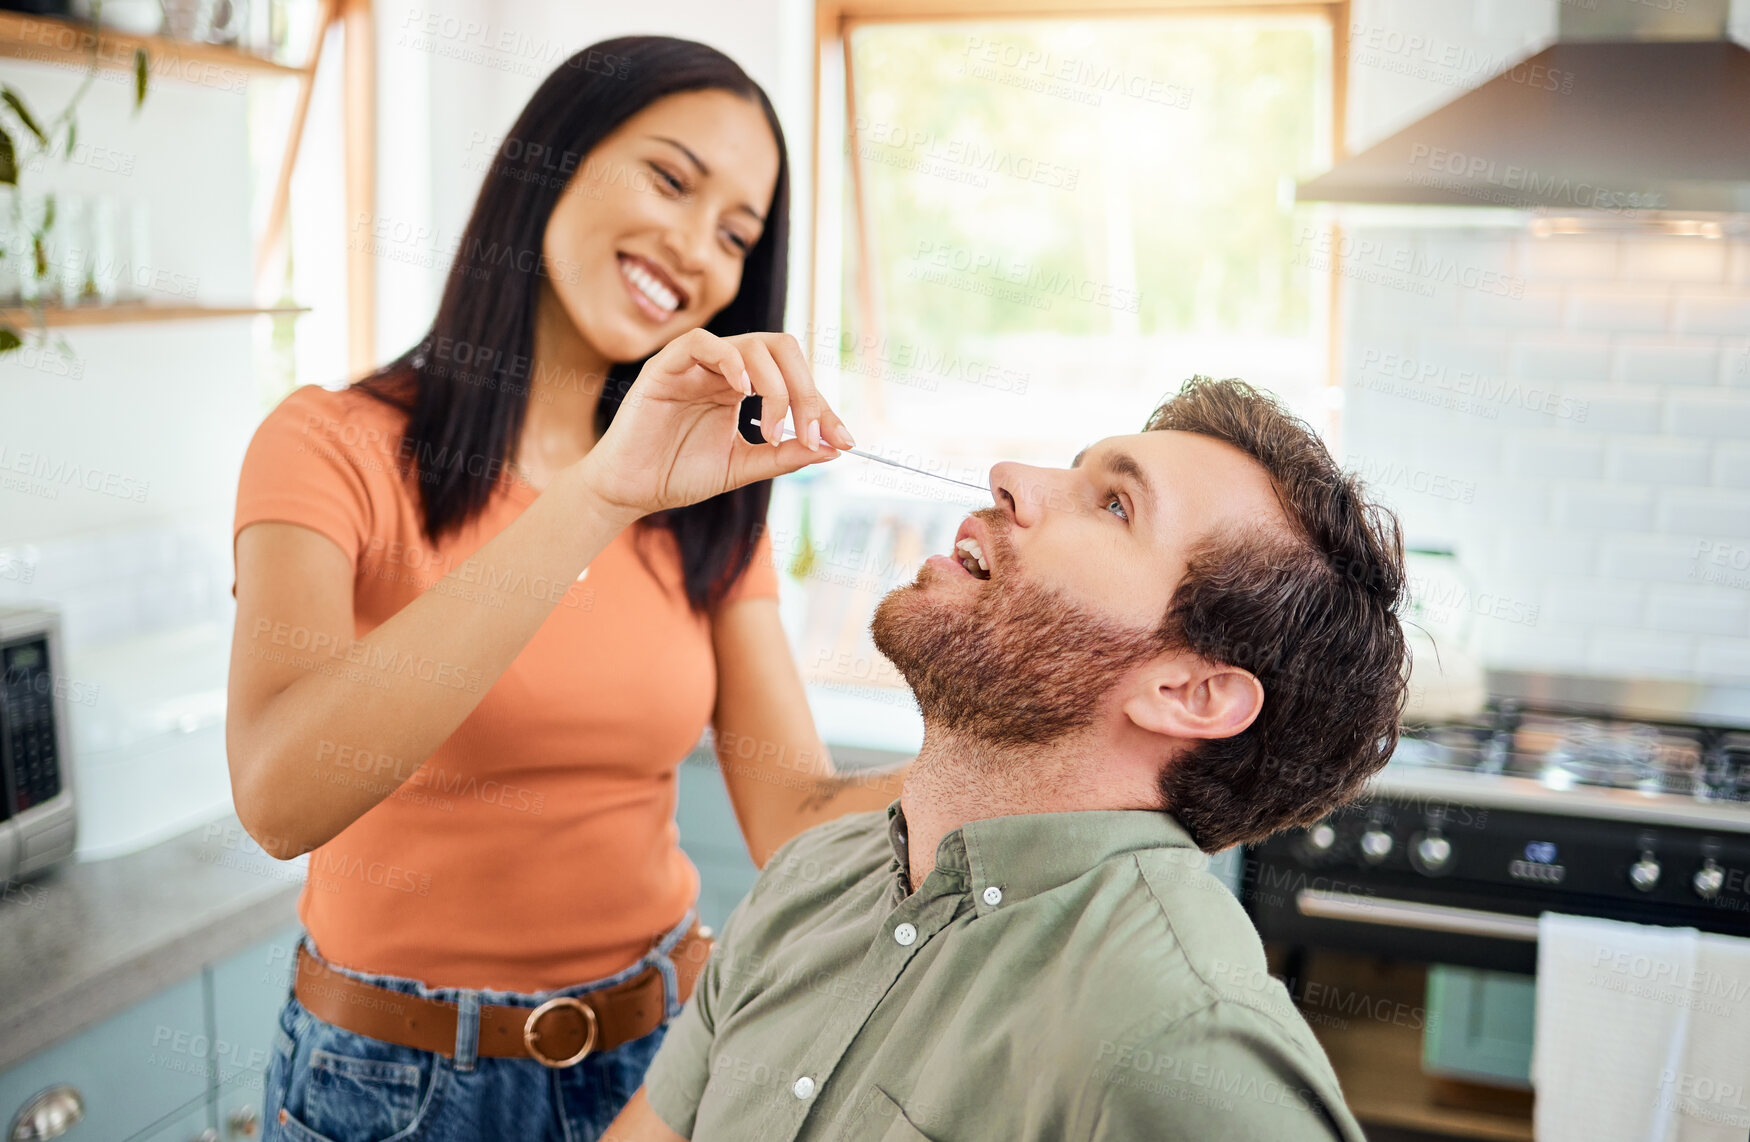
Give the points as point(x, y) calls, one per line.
point(325, 1084)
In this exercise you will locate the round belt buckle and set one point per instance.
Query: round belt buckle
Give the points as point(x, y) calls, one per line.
point(530, 1034)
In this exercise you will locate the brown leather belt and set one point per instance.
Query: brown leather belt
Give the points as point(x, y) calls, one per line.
point(558, 1033)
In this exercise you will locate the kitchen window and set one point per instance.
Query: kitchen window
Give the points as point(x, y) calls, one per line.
point(1030, 230)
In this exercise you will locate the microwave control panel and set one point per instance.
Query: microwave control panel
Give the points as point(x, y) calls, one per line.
point(32, 770)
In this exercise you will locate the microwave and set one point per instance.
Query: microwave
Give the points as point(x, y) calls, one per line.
point(37, 824)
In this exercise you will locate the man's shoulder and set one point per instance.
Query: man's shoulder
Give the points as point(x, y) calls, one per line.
point(830, 856)
point(1209, 1028)
point(1196, 950)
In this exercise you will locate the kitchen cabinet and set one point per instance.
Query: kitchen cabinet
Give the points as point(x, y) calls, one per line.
point(138, 1072)
point(247, 991)
point(188, 1059)
point(192, 1057)
point(191, 1127)
point(711, 838)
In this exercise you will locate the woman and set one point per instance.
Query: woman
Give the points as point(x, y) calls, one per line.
point(491, 595)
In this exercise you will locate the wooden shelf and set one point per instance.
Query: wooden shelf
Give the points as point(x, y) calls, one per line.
point(68, 43)
point(129, 313)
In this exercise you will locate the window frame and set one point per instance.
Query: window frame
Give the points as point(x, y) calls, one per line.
point(836, 20)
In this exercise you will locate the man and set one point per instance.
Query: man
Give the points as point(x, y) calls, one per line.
point(1186, 640)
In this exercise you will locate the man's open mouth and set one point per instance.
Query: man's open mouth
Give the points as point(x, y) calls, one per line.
point(971, 557)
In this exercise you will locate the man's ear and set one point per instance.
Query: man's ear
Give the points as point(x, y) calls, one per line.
point(1180, 695)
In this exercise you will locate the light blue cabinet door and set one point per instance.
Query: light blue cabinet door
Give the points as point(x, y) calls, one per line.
point(248, 990)
point(711, 838)
point(135, 1071)
point(191, 1127)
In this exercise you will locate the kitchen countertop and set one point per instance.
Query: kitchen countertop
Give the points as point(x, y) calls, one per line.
point(86, 940)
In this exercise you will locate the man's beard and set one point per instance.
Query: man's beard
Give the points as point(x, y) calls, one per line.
point(1023, 665)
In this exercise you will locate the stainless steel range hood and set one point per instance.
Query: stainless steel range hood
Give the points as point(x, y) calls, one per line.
point(1631, 110)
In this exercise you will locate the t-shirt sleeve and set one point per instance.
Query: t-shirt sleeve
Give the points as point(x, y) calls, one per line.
point(1225, 1072)
point(674, 1084)
point(309, 465)
point(760, 579)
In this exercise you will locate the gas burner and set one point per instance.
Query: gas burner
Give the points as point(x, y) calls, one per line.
point(1562, 752)
point(1622, 756)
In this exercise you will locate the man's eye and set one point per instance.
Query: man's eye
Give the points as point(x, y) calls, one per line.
point(1112, 501)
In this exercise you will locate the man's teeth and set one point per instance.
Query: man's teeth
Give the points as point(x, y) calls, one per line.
point(969, 549)
point(649, 286)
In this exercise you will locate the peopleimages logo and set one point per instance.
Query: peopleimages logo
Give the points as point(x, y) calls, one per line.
point(1525, 184)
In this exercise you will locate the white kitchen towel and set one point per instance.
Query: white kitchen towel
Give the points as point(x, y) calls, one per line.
point(1613, 1017)
point(1708, 1090)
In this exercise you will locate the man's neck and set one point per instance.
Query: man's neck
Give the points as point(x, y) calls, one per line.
point(957, 779)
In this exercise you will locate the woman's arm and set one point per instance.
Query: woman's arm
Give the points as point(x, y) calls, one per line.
point(308, 701)
point(306, 695)
point(780, 777)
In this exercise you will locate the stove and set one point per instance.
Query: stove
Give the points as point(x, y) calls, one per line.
point(1627, 800)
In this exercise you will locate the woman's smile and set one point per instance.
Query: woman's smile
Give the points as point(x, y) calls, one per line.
point(654, 293)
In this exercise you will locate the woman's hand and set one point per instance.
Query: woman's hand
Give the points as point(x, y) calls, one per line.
point(675, 439)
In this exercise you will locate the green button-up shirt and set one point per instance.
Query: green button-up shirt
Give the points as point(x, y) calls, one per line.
point(1057, 976)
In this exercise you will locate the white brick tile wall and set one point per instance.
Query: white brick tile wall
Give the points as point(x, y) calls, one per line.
point(1732, 466)
point(1557, 555)
point(1534, 648)
point(1615, 409)
point(1679, 259)
point(1602, 507)
point(1659, 462)
point(1723, 416)
point(1621, 311)
point(1569, 358)
point(1584, 602)
point(1644, 653)
point(1735, 361)
point(1698, 610)
point(1647, 559)
point(1503, 505)
point(1727, 659)
point(1533, 309)
point(1481, 353)
point(1663, 363)
point(1541, 456)
point(1727, 313)
point(1705, 513)
point(1604, 418)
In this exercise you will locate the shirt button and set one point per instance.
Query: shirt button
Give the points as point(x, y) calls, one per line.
point(804, 1087)
point(993, 896)
point(905, 934)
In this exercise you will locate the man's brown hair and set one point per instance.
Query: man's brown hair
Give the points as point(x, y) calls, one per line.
point(1313, 616)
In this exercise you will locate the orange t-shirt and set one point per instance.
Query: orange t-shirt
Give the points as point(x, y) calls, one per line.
point(537, 847)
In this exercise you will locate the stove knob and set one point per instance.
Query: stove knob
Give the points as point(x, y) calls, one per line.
point(1320, 838)
point(1644, 873)
point(1708, 879)
point(1376, 845)
point(1432, 854)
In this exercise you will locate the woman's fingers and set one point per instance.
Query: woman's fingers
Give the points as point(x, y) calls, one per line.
point(698, 346)
point(767, 381)
point(757, 463)
point(811, 407)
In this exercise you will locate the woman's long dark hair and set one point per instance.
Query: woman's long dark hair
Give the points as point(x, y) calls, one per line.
point(465, 386)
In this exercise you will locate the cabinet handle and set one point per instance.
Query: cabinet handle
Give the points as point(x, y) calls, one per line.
point(50, 1114)
point(244, 1122)
point(207, 1135)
